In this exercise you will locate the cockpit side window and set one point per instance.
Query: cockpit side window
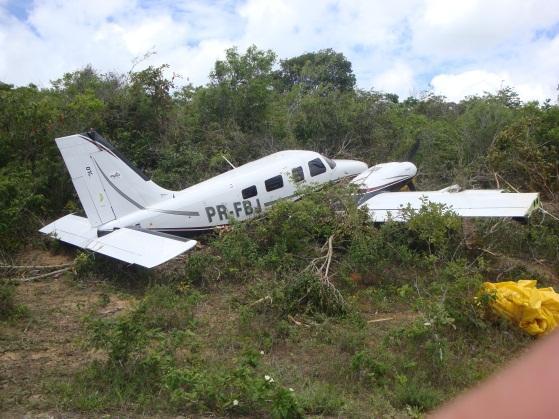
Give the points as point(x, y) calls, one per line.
point(330, 162)
point(316, 167)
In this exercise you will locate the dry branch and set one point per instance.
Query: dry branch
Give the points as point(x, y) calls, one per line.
point(63, 265)
point(385, 319)
point(261, 300)
point(323, 270)
point(33, 278)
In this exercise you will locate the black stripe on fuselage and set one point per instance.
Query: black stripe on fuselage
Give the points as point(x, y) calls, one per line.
point(176, 212)
point(189, 232)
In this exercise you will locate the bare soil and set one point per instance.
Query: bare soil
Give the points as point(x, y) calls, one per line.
point(45, 345)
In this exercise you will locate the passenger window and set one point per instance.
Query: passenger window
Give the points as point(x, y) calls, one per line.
point(297, 174)
point(249, 192)
point(274, 183)
point(316, 167)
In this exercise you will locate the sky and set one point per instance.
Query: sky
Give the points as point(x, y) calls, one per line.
point(451, 48)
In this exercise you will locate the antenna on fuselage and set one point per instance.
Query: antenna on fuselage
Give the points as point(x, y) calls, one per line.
point(230, 164)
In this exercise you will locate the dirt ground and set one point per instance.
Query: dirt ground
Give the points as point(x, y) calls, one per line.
point(45, 345)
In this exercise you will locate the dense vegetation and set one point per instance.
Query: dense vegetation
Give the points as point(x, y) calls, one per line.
point(300, 290)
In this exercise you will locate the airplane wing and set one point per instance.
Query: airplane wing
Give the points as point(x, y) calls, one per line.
point(467, 203)
point(141, 247)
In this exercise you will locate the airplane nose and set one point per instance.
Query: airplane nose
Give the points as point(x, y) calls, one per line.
point(349, 167)
point(410, 168)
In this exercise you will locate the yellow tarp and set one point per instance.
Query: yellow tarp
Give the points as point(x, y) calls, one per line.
point(536, 311)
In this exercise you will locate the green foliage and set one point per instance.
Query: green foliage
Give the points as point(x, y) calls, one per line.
point(18, 202)
point(239, 391)
point(321, 399)
point(526, 153)
point(430, 236)
point(367, 368)
point(290, 293)
point(248, 110)
point(417, 395)
point(143, 369)
point(325, 68)
point(539, 237)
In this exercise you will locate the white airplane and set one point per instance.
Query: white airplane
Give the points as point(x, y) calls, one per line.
point(132, 219)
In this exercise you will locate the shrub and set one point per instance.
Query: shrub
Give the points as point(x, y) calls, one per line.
point(368, 368)
point(9, 309)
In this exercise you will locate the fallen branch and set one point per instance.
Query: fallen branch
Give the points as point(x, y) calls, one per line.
point(489, 252)
point(329, 256)
point(385, 319)
point(33, 278)
point(261, 300)
point(63, 265)
point(323, 270)
point(296, 322)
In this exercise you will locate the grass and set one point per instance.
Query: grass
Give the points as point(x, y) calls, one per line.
point(245, 327)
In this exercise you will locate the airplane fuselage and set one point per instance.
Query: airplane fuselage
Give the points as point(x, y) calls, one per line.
point(238, 194)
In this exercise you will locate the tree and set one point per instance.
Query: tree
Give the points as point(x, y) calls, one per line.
point(241, 88)
point(311, 70)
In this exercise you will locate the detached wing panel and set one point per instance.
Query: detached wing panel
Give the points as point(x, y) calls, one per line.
point(468, 203)
point(141, 247)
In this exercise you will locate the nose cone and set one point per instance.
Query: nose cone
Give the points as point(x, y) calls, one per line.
point(386, 175)
point(349, 168)
point(409, 168)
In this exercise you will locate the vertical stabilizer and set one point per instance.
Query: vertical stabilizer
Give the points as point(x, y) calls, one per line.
point(108, 186)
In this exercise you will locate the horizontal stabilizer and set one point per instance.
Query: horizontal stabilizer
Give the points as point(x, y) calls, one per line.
point(141, 247)
point(468, 203)
point(71, 229)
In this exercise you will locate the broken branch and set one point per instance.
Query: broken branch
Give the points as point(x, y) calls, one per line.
point(33, 278)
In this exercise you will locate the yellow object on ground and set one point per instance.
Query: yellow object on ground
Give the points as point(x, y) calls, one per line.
point(536, 311)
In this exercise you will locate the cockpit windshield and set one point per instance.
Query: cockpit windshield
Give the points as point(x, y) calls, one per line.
point(330, 162)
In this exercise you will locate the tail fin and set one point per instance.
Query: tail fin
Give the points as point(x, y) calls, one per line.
point(108, 186)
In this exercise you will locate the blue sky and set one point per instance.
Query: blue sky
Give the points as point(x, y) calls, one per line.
point(453, 48)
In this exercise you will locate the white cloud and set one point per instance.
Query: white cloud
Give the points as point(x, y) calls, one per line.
point(399, 46)
point(471, 29)
point(467, 83)
point(533, 72)
point(397, 79)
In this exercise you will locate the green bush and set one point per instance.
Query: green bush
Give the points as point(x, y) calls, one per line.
point(9, 309)
point(239, 391)
point(367, 368)
point(143, 371)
